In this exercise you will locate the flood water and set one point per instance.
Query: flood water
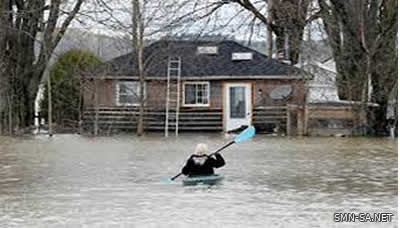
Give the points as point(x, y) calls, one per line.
point(77, 181)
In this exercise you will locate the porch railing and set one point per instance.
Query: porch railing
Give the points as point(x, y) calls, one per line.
point(110, 119)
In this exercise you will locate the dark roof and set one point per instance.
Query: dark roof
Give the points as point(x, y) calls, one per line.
point(157, 54)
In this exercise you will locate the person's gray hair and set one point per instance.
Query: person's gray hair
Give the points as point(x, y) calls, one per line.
point(201, 149)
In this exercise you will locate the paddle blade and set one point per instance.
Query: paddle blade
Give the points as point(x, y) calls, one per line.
point(166, 181)
point(170, 180)
point(248, 133)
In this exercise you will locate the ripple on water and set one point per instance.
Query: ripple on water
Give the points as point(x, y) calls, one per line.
point(73, 181)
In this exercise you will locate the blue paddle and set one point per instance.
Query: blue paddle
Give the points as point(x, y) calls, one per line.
point(246, 134)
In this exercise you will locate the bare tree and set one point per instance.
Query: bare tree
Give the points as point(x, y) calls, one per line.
point(24, 24)
point(362, 35)
point(149, 19)
point(285, 19)
point(138, 45)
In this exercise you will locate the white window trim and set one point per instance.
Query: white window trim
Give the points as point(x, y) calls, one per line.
point(117, 88)
point(196, 83)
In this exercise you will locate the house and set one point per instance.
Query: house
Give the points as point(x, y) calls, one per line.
point(214, 85)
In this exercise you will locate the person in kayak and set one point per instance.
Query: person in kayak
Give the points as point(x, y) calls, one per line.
point(200, 164)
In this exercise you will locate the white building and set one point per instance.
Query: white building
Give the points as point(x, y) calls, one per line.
point(323, 86)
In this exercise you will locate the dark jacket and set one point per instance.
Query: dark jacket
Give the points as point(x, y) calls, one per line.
point(207, 168)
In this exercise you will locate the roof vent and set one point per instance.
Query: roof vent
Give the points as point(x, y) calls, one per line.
point(238, 56)
point(209, 50)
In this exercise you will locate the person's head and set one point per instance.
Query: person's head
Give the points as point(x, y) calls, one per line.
point(201, 149)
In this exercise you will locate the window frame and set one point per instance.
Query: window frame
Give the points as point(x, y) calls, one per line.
point(118, 88)
point(184, 104)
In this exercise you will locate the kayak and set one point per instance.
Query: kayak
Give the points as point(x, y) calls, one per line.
point(208, 180)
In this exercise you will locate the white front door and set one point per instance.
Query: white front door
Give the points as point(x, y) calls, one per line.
point(237, 105)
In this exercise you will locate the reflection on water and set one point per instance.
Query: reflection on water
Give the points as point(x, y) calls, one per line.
point(74, 181)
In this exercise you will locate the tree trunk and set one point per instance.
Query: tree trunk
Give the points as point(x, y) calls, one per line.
point(49, 107)
point(9, 115)
point(140, 127)
point(269, 45)
point(295, 42)
point(363, 35)
point(137, 41)
point(282, 15)
point(280, 45)
point(380, 122)
point(96, 103)
point(270, 41)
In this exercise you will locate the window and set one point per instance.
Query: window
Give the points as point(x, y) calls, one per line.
point(128, 93)
point(209, 50)
point(196, 93)
point(237, 56)
point(237, 102)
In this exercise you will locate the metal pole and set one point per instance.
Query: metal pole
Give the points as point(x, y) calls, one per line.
point(167, 104)
point(178, 84)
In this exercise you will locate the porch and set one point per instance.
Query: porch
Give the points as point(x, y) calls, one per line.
point(107, 120)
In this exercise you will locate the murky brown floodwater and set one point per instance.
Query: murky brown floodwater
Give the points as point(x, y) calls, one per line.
point(74, 181)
